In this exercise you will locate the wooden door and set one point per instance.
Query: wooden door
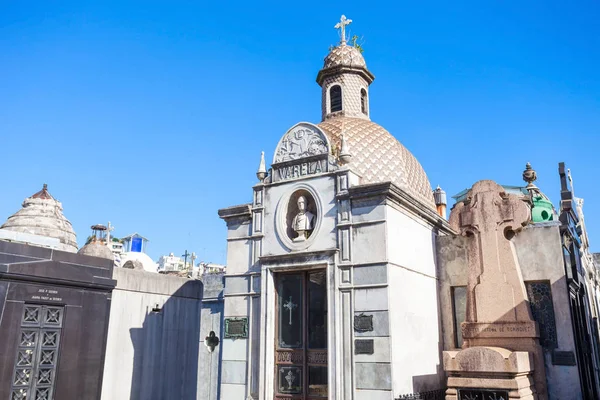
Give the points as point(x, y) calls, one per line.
point(301, 336)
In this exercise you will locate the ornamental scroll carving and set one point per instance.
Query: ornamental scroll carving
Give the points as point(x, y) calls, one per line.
point(303, 140)
point(290, 357)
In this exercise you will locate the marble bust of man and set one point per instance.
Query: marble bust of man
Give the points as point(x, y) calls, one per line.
point(303, 221)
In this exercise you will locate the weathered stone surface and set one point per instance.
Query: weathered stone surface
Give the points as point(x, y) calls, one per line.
point(95, 249)
point(233, 372)
point(373, 376)
point(371, 299)
point(498, 314)
point(381, 324)
point(372, 274)
point(381, 353)
point(237, 284)
point(493, 266)
point(488, 359)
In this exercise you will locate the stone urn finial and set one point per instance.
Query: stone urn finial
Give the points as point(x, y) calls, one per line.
point(345, 156)
point(261, 174)
point(529, 176)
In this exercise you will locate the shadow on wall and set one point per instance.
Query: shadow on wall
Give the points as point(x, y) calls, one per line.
point(165, 365)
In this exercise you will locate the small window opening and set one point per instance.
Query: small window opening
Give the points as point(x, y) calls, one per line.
point(363, 101)
point(335, 98)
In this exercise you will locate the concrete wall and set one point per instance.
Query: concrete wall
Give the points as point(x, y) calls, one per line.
point(539, 250)
point(413, 304)
point(451, 256)
point(153, 355)
point(209, 362)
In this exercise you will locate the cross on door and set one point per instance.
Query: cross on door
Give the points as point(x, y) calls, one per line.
point(290, 306)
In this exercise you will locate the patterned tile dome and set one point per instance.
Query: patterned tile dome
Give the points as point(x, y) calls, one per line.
point(378, 156)
point(344, 55)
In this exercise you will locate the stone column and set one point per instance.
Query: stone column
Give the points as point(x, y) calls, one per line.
point(501, 340)
point(209, 357)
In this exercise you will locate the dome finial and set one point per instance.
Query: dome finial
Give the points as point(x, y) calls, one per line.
point(345, 156)
point(529, 176)
point(342, 27)
point(261, 174)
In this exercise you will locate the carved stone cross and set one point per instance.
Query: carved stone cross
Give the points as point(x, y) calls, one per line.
point(342, 27)
point(489, 218)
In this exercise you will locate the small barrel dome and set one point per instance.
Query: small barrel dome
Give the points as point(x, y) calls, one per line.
point(96, 249)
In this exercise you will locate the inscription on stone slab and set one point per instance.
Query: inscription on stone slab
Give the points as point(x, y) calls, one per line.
point(39, 293)
point(563, 358)
point(300, 169)
point(363, 323)
point(364, 346)
point(236, 328)
point(499, 329)
point(482, 394)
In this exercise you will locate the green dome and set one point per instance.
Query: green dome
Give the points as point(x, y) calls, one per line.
point(542, 210)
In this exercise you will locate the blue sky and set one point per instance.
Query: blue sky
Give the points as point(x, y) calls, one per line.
point(153, 115)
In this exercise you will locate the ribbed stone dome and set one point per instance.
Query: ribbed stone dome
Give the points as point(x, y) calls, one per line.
point(378, 156)
point(344, 55)
point(42, 215)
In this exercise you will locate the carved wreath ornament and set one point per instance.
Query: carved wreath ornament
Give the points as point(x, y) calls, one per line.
point(300, 142)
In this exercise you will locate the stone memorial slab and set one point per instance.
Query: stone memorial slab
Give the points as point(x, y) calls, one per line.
point(236, 328)
point(497, 307)
point(363, 323)
point(472, 330)
point(563, 358)
point(364, 346)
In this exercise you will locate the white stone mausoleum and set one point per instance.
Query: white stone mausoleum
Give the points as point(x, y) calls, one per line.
point(331, 289)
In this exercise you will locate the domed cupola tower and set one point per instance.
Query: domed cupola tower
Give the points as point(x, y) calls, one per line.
point(345, 80)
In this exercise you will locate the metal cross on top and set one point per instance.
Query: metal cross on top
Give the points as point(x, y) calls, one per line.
point(342, 27)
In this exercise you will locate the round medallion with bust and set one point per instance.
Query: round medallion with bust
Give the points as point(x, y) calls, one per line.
point(303, 221)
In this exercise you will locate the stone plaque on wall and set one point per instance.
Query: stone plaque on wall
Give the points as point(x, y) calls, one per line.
point(482, 394)
point(563, 358)
point(236, 328)
point(364, 346)
point(363, 323)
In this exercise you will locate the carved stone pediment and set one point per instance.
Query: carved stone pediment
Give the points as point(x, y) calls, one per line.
point(302, 140)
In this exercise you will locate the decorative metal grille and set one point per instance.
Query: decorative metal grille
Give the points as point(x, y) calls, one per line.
point(542, 309)
point(37, 353)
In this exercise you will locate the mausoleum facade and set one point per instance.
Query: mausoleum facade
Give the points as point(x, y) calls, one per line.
point(331, 289)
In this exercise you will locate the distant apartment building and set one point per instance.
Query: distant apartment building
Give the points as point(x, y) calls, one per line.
point(173, 263)
point(210, 268)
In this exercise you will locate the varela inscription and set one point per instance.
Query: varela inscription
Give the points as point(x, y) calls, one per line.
point(300, 170)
